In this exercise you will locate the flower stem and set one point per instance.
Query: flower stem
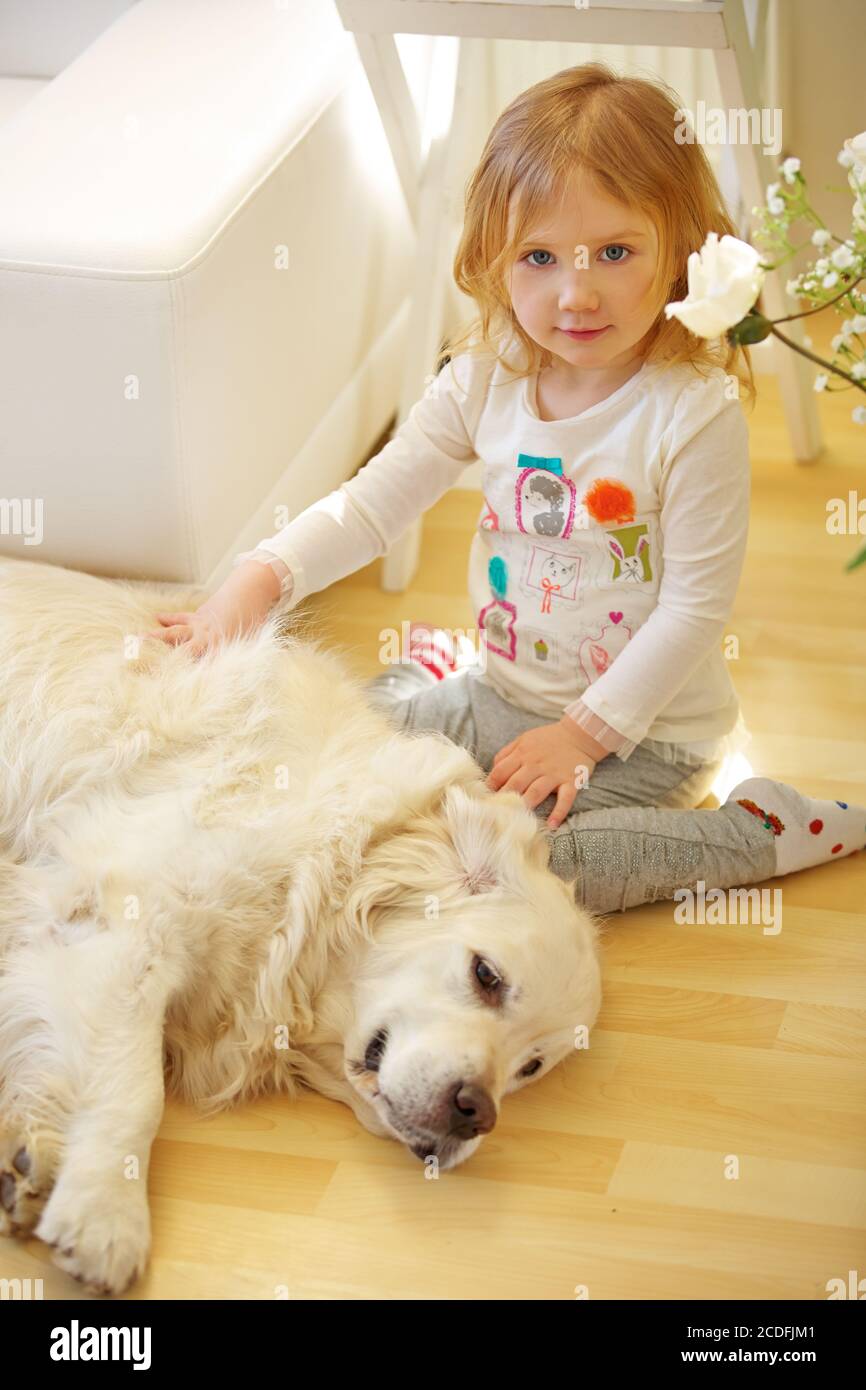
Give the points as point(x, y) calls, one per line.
point(804, 352)
point(818, 307)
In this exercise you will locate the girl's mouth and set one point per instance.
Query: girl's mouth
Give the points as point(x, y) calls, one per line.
point(585, 336)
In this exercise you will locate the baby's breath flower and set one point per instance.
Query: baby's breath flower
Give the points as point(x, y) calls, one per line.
point(858, 414)
point(858, 324)
point(843, 257)
point(821, 381)
point(845, 158)
point(830, 280)
point(858, 371)
point(789, 169)
point(820, 237)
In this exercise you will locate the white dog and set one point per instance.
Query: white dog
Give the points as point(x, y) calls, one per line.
point(231, 876)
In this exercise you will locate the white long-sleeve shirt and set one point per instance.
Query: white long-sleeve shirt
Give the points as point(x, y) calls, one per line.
point(608, 549)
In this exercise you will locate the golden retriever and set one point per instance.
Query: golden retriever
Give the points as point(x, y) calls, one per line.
point(232, 876)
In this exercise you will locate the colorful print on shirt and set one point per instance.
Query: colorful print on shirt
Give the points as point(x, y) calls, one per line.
point(629, 549)
point(545, 500)
point(552, 574)
point(497, 619)
point(599, 649)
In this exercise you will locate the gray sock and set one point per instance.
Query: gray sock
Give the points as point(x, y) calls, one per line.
point(399, 682)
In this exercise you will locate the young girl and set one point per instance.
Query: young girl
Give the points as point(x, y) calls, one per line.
point(613, 527)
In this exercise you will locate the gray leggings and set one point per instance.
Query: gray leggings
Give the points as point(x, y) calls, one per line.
point(623, 838)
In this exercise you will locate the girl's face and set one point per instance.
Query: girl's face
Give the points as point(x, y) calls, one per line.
point(616, 249)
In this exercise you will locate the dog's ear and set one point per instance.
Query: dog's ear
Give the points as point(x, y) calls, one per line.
point(492, 833)
point(471, 840)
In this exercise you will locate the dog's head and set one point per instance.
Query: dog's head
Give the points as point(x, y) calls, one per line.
point(478, 973)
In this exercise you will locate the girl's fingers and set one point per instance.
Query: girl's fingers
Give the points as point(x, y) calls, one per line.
point(564, 802)
point(175, 635)
point(500, 771)
point(538, 790)
point(503, 752)
point(520, 778)
point(171, 619)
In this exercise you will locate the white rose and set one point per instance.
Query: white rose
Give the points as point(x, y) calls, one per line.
point(821, 381)
point(820, 237)
point(789, 169)
point(725, 279)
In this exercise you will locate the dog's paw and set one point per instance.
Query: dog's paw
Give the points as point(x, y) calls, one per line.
point(100, 1236)
point(26, 1178)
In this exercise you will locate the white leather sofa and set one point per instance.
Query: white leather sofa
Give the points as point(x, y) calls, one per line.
point(204, 264)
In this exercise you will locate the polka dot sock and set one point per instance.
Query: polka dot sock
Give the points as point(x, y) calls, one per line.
point(807, 831)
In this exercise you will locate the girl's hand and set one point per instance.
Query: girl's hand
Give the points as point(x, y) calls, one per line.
point(551, 758)
point(238, 607)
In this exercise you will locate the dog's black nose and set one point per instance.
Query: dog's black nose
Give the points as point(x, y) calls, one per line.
point(472, 1111)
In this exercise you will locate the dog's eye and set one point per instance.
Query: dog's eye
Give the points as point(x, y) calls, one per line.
point(486, 975)
point(375, 1048)
point(532, 1067)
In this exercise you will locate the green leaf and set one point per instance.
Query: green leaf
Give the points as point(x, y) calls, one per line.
point(754, 328)
point(858, 559)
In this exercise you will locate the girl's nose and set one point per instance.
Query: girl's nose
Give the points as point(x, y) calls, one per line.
point(578, 292)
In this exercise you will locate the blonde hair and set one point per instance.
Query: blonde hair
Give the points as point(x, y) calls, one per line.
point(620, 130)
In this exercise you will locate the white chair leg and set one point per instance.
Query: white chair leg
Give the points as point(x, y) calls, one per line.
point(432, 248)
point(740, 90)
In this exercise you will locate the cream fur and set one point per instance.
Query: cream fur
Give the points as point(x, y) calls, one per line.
point(223, 877)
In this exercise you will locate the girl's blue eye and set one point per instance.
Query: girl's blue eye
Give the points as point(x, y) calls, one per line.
point(614, 246)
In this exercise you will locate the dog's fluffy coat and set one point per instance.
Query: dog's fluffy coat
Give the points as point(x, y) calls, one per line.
point(231, 876)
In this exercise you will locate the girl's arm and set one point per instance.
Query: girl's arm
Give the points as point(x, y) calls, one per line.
point(704, 492)
point(359, 520)
point(600, 738)
point(237, 609)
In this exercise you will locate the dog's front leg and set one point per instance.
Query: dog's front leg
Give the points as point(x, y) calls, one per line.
point(97, 1218)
